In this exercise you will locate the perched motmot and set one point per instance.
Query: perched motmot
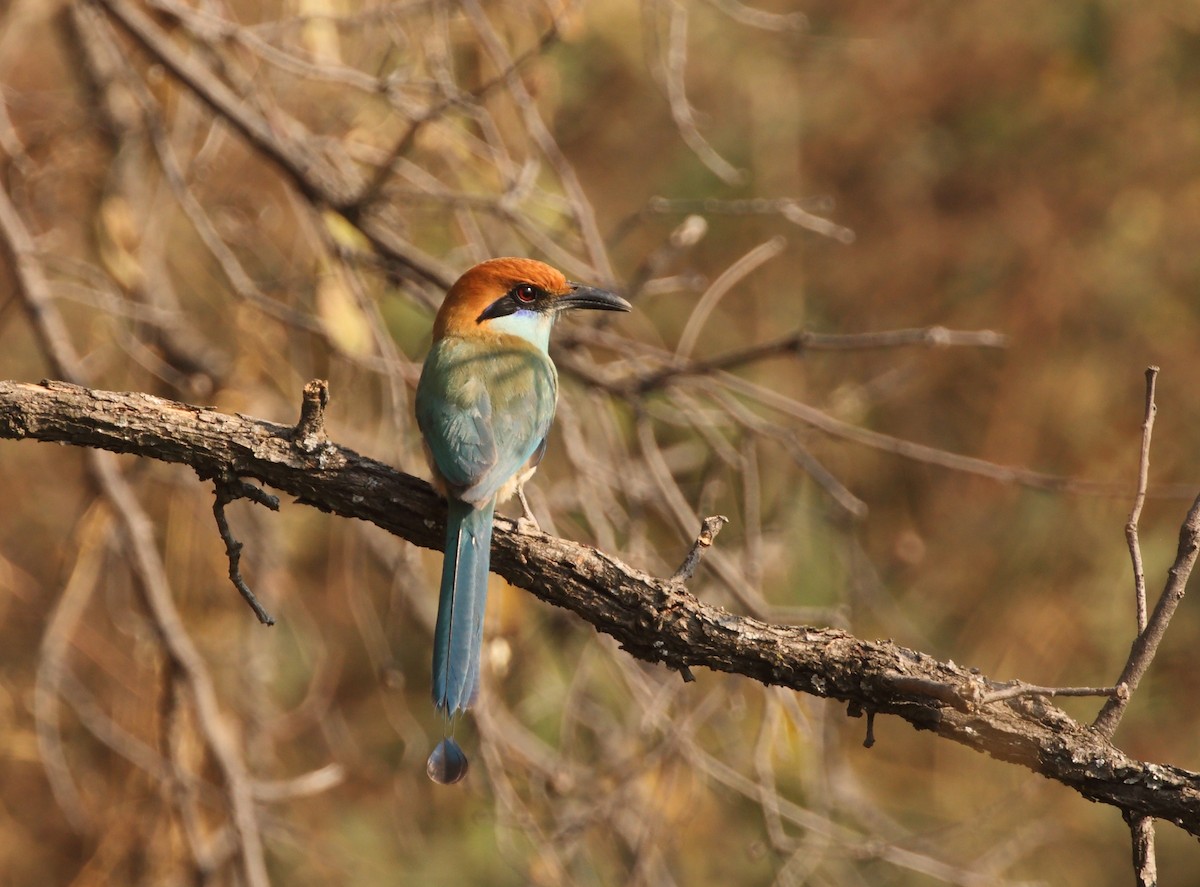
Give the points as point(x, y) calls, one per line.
point(485, 402)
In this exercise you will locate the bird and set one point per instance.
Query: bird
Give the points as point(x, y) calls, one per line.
point(484, 405)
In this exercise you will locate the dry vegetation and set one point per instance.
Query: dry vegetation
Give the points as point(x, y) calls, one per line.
point(216, 201)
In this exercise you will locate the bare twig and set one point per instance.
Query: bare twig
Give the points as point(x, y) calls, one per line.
point(815, 822)
point(1017, 689)
point(309, 434)
point(1131, 528)
point(796, 22)
point(802, 341)
point(708, 534)
point(1145, 867)
point(849, 504)
point(748, 206)
point(303, 786)
point(683, 237)
point(797, 210)
point(227, 490)
point(834, 427)
point(732, 275)
point(1145, 645)
point(676, 504)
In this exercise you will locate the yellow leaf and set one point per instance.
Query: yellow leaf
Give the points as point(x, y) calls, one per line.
point(341, 317)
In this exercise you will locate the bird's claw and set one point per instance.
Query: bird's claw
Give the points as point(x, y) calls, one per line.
point(528, 525)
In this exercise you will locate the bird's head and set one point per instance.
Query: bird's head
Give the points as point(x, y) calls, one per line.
point(518, 297)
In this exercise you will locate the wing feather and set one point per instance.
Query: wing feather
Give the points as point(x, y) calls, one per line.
point(485, 407)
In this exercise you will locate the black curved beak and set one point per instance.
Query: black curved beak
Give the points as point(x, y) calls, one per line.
point(581, 296)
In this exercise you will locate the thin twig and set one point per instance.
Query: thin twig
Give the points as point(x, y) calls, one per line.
point(797, 210)
point(53, 666)
point(921, 452)
point(1017, 689)
point(795, 22)
point(1139, 499)
point(303, 786)
point(802, 341)
point(824, 422)
point(677, 506)
point(227, 490)
point(730, 277)
point(683, 237)
point(850, 505)
point(746, 206)
point(674, 68)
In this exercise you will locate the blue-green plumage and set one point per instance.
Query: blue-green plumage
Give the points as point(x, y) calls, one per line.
point(461, 603)
point(484, 405)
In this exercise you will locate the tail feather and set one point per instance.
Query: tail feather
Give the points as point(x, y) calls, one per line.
point(458, 637)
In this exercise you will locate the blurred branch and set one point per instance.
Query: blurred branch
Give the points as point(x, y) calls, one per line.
point(103, 56)
point(674, 67)
point(919, 452)
point(730, 277)
point(653, 619)
point(796, 22)
point(801, 211)
point(800, 341)
point(312, 174)
point(716, 371)
point(543, 138)
point(33, 291)
point(374, 185)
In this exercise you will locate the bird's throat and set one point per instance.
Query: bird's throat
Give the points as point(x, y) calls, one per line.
point(532, 326)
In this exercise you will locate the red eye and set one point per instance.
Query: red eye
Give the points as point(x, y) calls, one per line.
point(526, 293)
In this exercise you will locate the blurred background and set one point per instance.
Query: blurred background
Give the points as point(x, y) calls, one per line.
point(742, 173)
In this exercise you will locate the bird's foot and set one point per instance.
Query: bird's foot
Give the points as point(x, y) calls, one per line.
point(526, 523)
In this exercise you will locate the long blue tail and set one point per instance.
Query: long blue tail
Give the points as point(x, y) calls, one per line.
point(458, 638)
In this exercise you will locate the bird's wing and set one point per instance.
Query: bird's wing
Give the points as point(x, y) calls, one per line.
point(484, 409)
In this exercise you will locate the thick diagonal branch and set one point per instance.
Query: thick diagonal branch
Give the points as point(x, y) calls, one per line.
point(653, 619)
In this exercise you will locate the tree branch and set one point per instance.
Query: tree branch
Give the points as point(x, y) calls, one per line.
point(654, 619)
